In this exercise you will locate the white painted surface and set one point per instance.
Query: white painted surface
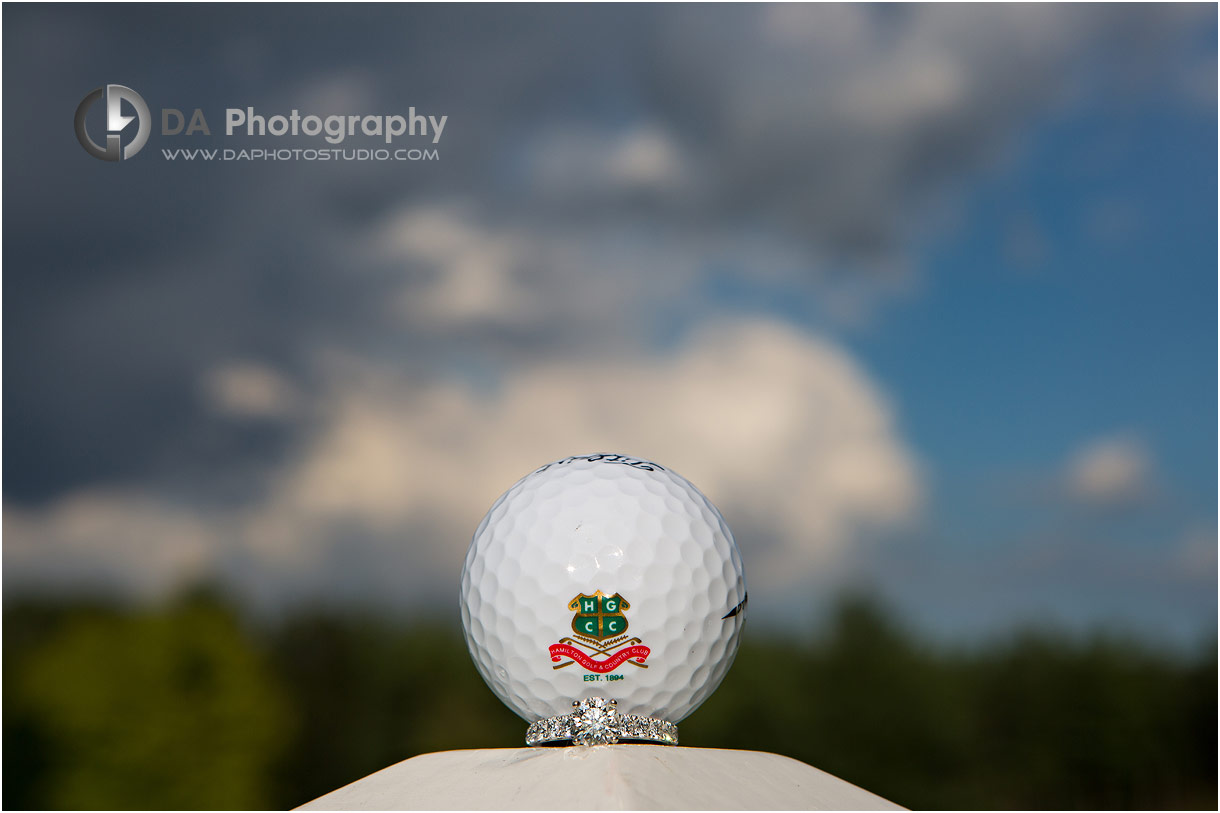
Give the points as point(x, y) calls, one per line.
point(608, 777)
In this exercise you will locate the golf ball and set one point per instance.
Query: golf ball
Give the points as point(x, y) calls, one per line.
point(603, 576)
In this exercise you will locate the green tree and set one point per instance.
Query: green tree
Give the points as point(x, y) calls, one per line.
point(1038, 721)
point(182, 708)
point(150, 710)
point(368, 694)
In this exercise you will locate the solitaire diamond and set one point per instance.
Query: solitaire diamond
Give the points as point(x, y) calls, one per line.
point(595, 722)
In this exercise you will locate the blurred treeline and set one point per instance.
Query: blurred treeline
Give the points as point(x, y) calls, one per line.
point(193, 706)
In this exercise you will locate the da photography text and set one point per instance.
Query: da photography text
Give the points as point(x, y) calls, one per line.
point(364, 137)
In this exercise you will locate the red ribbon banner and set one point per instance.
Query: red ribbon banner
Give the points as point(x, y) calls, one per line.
point(560, 651)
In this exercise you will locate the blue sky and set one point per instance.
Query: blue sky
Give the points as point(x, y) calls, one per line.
point(922, 296)
point(1107, 328)
point(1006, 363)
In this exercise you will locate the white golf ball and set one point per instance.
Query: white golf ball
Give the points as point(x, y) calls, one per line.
point(603, 576)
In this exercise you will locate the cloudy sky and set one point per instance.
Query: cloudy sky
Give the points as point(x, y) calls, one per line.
point(922, 297)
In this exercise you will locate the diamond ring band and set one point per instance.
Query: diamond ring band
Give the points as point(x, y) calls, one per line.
point(596, 721)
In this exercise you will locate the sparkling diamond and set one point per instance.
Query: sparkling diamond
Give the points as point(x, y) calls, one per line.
point(595, 722)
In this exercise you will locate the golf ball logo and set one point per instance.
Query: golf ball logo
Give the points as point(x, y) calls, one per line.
point(599, 626)
point(598, 616)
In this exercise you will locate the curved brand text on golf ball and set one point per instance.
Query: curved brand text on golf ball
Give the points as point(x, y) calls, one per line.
point(603, 575)
point(642, 465)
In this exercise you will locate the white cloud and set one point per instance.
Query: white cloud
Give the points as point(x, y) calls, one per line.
point(850, 127)
point(581, 164)
point(553, 288)
point(1110, 470)
point(352, 90)
point(644, 157)
point(134, 541)
point(473, 269)
point(246, 389)
point(782, 430)
point(1195, 557)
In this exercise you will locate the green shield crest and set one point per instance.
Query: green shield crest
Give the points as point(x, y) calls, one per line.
point(599, 616)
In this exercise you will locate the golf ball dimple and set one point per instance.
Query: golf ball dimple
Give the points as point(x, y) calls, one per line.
point(603, 576)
